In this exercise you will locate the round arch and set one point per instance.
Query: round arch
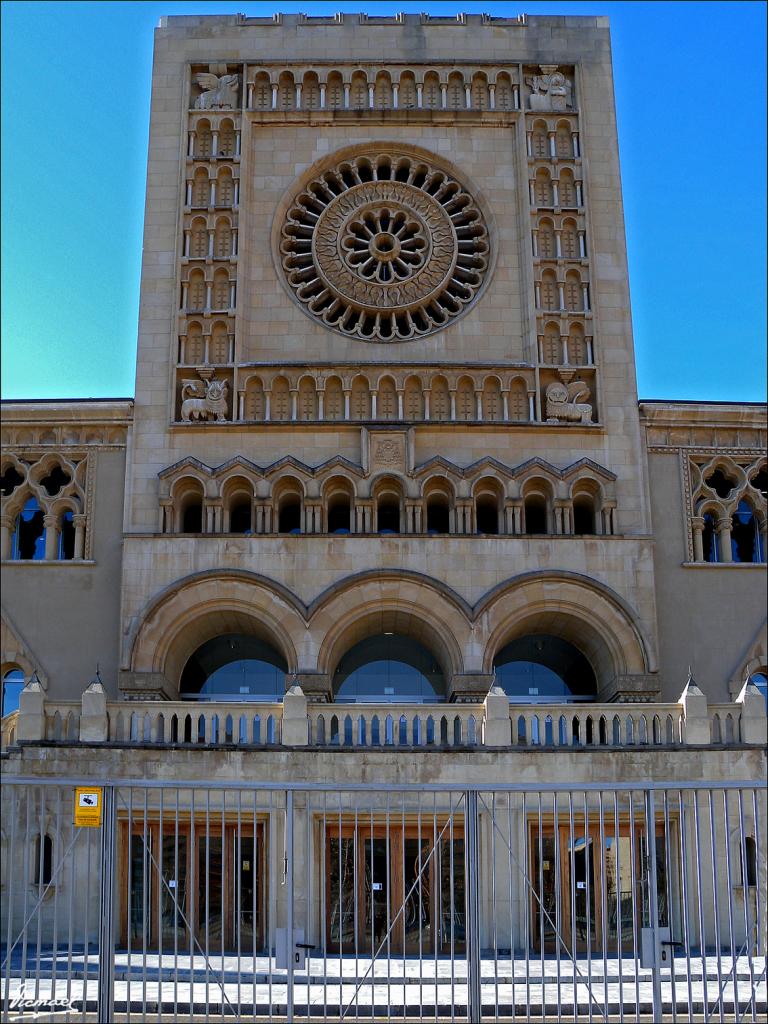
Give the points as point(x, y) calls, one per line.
point(374, 605)
point(586, 614)
point(179, 620)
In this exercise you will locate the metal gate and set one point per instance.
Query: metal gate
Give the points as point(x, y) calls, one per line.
point(315, 903)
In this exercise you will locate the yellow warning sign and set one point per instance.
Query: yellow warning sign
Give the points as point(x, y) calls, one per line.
point(88, 806)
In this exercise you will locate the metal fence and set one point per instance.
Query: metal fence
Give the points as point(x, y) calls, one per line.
point(309, 902)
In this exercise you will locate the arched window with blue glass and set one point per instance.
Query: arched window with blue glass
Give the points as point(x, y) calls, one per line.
point(12, 685)
point(29, 533)
point(66, 550)
point(746, 542)
point(542, 668)
point(389, 668)
point(234, 666)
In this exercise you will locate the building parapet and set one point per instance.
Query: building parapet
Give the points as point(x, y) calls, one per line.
point(297, 722)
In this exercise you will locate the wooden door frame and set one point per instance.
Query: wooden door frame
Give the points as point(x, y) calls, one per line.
point(397, 831)
point(547, 827)
point(186, 827)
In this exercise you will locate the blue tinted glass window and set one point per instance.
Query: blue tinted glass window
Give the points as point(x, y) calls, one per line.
point(13, 684)
point(388, 669)
point(544, 668)
point(234, 667)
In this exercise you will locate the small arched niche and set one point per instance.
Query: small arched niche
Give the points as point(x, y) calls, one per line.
point(388, 668)
point(234, 666)
point(543, 668)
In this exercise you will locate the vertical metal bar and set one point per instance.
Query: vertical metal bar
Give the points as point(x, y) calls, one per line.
point(634, 875)
point(225, 885)
point(435, 910)
point(193, 906)
point(10, 878)
point(588, 875)
point(272, 895)
point(56, 888)
point(28, 852)
point(289, 883)
point(558, 907)
point(237, 869)
point(373, 906)
point(356, 890)
point(129, 902)
point(670, 915)
point(511, 901)
point(603, 901)
point(175, 912)
point(106, 962)
point(207, 900)
point(747, 915)
point(716, 901)
point(41, 883)
point(146, 877)
point(540, 881)
point(88, 876)
point(619, 926)
point(683, 826)
point(452, 906)
point(324, 841)
point(700, 900)
point(528, 912)
point(388, 885)
point(472, 888)
point(759, 857)
point(160, 886)
point(420, 910)
point(729, 879)
point(571, 852)
point(310, 896)
point(650, 835)
point(257, 893)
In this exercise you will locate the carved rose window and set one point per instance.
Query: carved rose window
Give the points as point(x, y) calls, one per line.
point(385, 247)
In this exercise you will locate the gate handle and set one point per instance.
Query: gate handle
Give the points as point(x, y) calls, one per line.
point(305, 945)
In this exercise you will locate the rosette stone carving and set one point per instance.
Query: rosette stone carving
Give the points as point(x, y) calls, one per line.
point(385, 248)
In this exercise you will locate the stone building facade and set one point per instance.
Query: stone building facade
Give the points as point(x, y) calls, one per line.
point(385, 414)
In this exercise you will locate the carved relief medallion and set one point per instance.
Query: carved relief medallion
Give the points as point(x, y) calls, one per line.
point(385, 248)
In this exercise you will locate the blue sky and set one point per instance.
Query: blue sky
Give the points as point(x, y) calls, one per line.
point(690, 94)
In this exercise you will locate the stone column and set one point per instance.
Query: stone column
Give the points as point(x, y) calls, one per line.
point(697, 526)
point(295, 720)
point(6, 532)
point(322, 95)
point(79, 520)
point(491, 97)
point(51, 537)
point(753, 715)
point(94, 721)
point(395, 95)
point(696, 728)
point(274, 96)
point(31, 722)
point(723, 539)
point(496, 722)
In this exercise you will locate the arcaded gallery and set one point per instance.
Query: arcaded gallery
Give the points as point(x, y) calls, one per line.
point(432, 662)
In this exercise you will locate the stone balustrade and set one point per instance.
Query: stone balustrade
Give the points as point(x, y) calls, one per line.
point(296, 722)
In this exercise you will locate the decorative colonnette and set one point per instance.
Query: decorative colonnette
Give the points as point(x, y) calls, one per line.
point(340, 497)
point(269, 393)
point(728, 517)
point(43, 507)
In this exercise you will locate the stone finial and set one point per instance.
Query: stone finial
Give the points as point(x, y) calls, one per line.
point(31, 722)
point(295, 719)
point(695, 713)
point(94, 721)
point(497, 730)
point(754, 720)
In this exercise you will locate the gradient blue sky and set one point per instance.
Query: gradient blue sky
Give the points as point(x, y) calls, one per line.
point(690, 94)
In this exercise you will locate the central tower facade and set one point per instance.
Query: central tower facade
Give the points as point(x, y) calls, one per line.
point(385, 380)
